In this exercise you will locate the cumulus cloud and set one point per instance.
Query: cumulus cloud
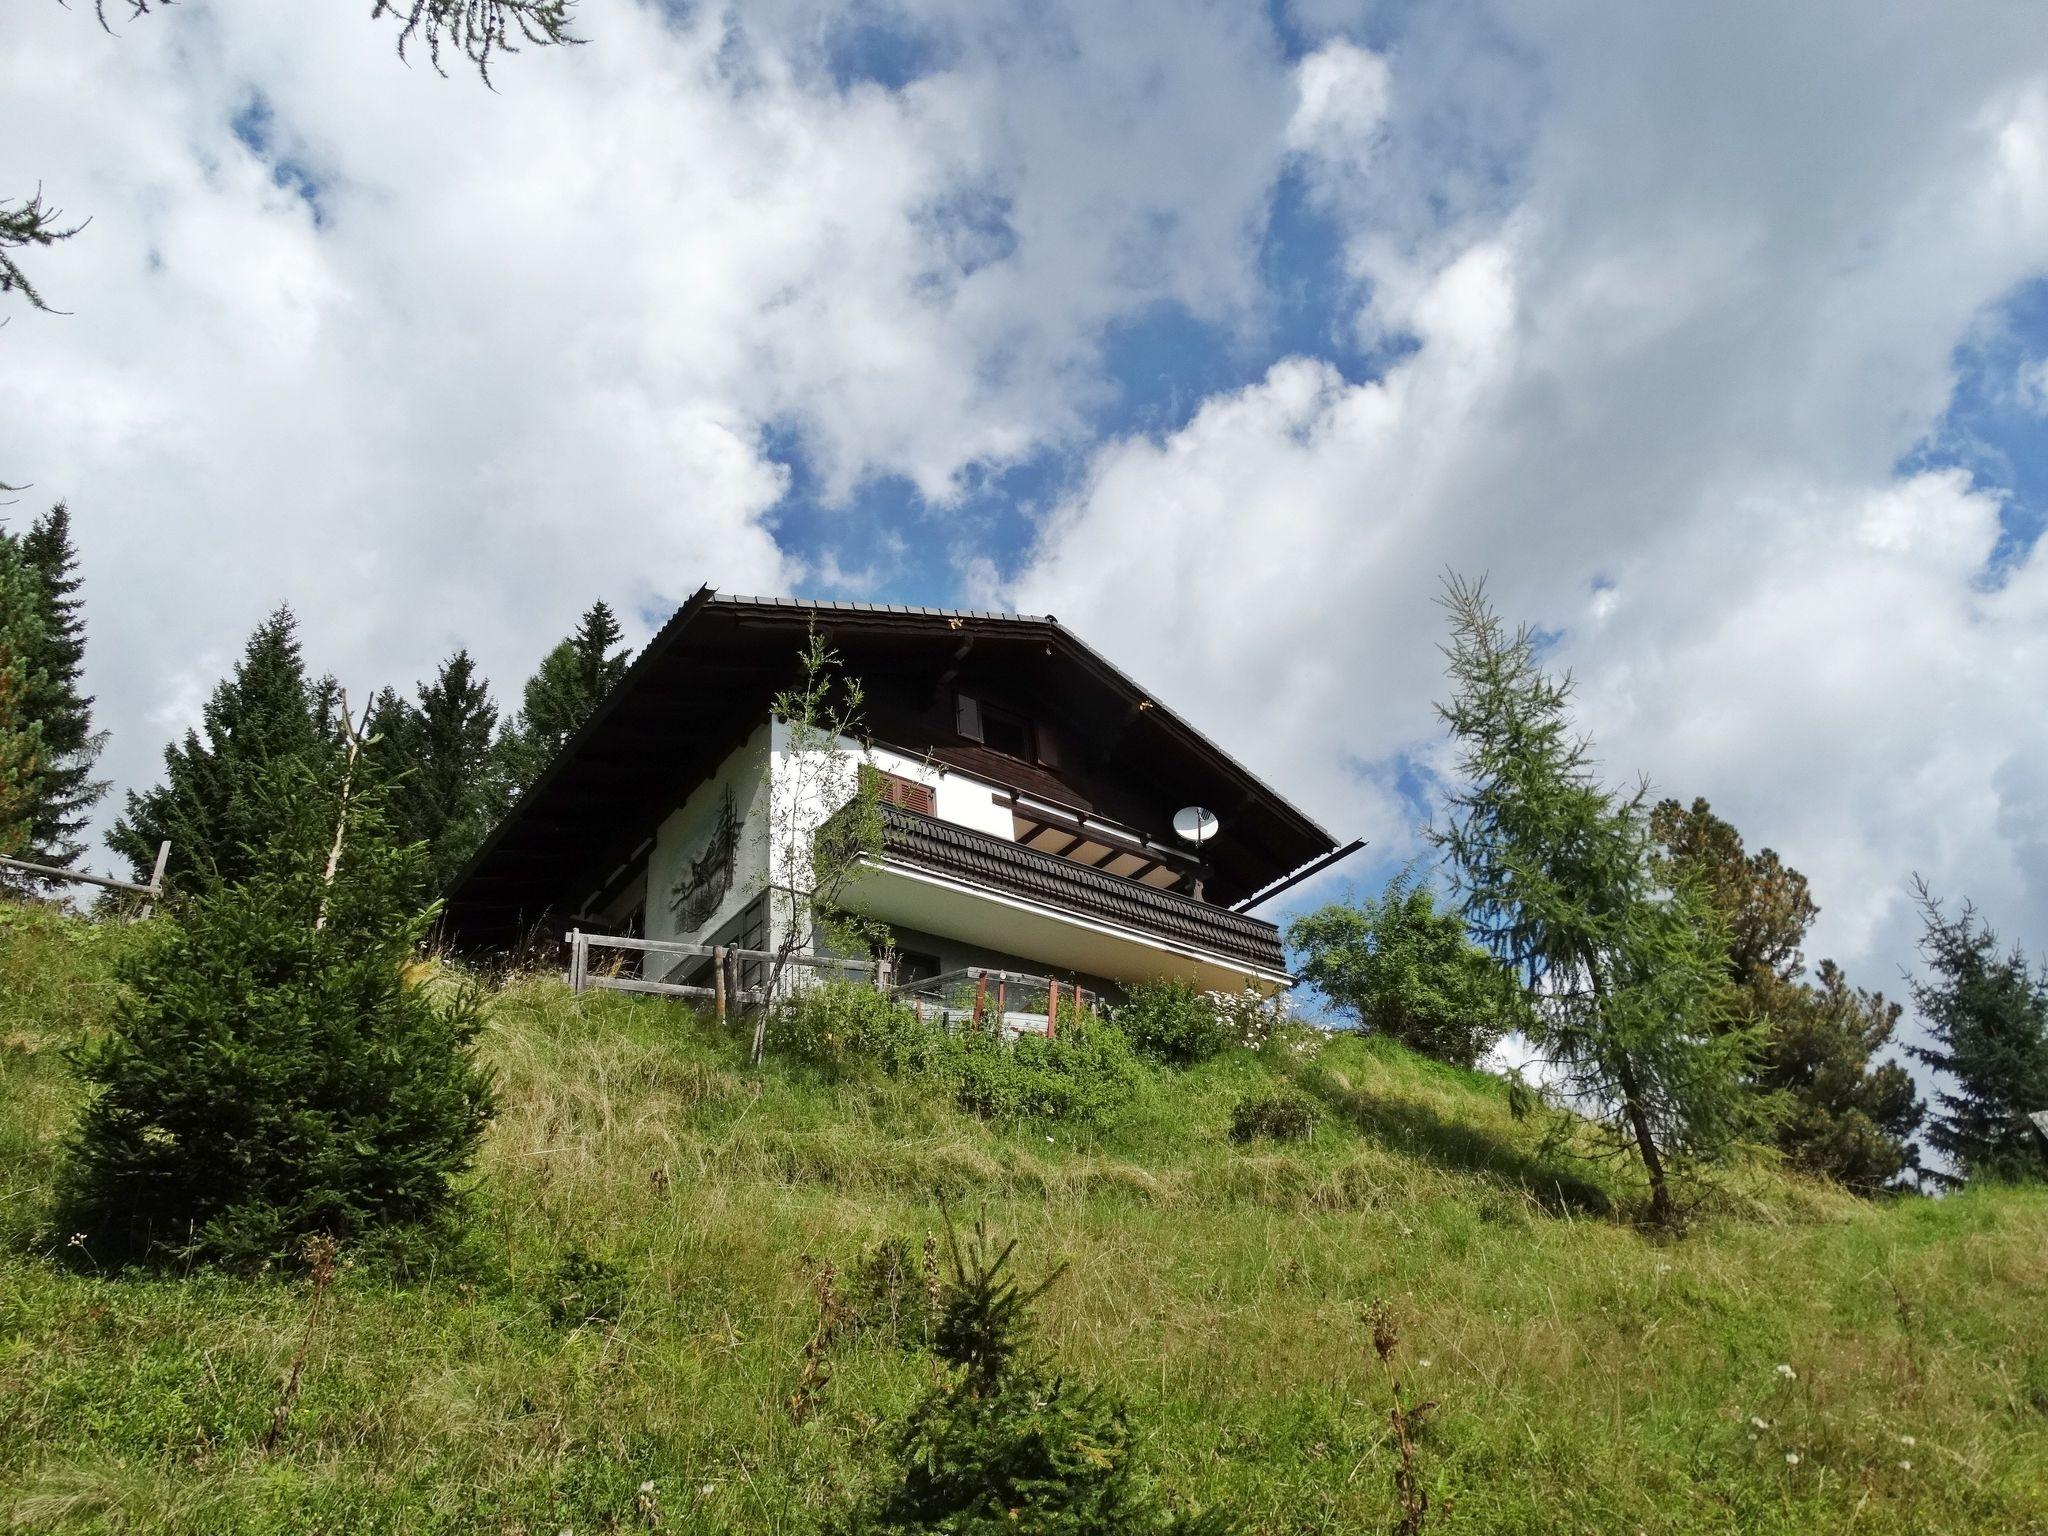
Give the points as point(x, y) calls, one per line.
point(438, 365)
point(1666, 359)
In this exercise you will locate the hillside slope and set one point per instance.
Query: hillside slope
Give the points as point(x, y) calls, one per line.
point(1799, 1361)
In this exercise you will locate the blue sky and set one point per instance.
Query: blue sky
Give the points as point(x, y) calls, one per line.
point(1716, 336)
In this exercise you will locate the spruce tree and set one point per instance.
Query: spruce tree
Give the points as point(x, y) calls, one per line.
point(1986, 1012)
point(1006, 1443)
point(58, 703)
point(572, 681)
point(276, 1068)
point(21, 736)
point(1622, 958)
point(436, 755)
point(208, 806)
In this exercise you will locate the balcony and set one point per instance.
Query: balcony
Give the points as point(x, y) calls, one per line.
point(943, 878)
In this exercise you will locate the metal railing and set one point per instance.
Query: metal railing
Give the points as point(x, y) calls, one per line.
point(980, 997)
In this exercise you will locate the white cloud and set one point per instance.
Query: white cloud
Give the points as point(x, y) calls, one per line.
point(526, 352)
point(1668, 352)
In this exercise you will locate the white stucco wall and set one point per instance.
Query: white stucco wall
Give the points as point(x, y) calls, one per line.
point(769, 784)
point(687, 832)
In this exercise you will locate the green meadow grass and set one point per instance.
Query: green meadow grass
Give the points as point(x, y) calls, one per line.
point(1588, 1376)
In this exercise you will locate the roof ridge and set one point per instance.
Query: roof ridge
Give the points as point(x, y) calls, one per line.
point(849, 605)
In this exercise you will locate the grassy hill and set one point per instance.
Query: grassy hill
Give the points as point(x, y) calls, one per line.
point(1800, 1361)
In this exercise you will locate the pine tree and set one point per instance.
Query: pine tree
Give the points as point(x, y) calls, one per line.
point(71, 748)
point(1620, 952)
point(209, 807)
point(21, 736)
point(275, 1070)
point(1837, 1112)
point(1842, 1114)
point(1006, 1443)
point(1986, 1012)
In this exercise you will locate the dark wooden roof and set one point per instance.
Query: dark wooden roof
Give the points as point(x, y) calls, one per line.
point(705, 681)
point(946, 848)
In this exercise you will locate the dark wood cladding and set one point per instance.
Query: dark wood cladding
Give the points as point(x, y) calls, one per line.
point(705, 681)
point(993, 863)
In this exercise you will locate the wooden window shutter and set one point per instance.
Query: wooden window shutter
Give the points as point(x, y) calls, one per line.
point(967, 716)
point(909, 794)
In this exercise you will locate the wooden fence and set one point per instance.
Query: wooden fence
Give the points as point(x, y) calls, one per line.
point(726, 961)
point(990, 997)
point(152, 892)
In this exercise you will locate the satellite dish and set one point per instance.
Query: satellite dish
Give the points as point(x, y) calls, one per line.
point(1195, 824)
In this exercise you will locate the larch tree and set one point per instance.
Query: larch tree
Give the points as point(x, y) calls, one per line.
point(209, 806)
point(476, 30)
point(1559, 875)
point(1836, 1110)
point(1986, 1014)
point(58, 701)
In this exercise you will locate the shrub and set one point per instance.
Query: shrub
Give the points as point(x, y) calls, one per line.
point(1175, 1022)
point(845, 1025)
point(1084, 1071)
point(585, 1288)
point(275, 1070)
point(1410, 972)
point(1283, 1115)
point(1006, 1443)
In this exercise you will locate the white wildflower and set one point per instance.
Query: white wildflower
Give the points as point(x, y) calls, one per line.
point(1908, 1441)
point(1759, 1423)
point(1791, 1458)
point(648, 1486)
point(1788, 1373)
point(1905, 1466)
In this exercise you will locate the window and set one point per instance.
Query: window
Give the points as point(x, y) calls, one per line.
point(999, 729)
point(1007, 733)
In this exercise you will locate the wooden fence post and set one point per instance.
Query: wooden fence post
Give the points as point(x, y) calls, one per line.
point(579, 958)
point(980, 998)
point(1052, 1007)
point(156, 881)
point(718, 979)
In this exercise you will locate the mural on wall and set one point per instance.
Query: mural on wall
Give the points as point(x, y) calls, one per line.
point(708, 878)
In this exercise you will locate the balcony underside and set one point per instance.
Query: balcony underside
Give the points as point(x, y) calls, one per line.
point(939, 878)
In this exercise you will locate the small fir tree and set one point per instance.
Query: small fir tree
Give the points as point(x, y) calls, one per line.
point(209, 806)
point(1986, 1014)
point(277, 1069)
point(59, 703)
point(1006, 1443)
point(1620, 951)
point(1408, 971)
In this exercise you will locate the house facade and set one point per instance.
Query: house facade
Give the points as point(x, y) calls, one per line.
point(1029, 793)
